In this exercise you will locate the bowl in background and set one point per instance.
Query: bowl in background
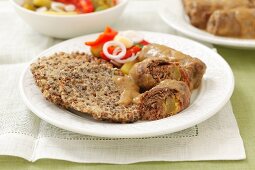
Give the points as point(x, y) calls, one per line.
point(68, 26)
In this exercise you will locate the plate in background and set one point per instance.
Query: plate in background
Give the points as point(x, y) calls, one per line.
point(173, 14)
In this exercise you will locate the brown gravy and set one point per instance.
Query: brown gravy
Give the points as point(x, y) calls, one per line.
point(129, 88)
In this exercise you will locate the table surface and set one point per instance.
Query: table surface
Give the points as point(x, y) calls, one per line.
point(242, 63)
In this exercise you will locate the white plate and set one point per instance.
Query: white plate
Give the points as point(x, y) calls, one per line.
point(173, 14)
point(215, 91)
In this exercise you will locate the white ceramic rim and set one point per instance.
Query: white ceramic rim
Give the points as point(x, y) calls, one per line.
point(181, 25)
point(150, 128)
point(120, 4)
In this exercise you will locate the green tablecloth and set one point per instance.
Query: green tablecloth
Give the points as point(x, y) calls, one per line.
point(243, 64)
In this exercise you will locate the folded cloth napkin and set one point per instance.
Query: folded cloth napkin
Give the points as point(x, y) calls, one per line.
point(23, 134)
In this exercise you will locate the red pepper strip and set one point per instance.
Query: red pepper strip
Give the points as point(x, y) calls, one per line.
point(108, 29)
point(110, 51)
point(85, 6)
point(82, 6)
point(144, 42)
point(108, 35)
point(103, 56)
point(130, 51)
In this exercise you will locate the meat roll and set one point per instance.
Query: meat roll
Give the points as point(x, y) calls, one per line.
point(167, 98)
point(191, 68)
point(199, 11)
point(195, 70)
point(238, 22)
point(151, 71)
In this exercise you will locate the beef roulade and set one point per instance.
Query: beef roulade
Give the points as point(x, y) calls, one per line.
point(238, 22)
point(152, 71)
point(192, 69)
point(199, 11)
point(167, 98)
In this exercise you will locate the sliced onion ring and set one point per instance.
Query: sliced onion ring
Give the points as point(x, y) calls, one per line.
point(132, 58)
point(117, 45)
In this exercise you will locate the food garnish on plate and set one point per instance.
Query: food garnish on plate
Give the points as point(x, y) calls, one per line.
point(223, 17)
point(68, 7)
point(124, 79)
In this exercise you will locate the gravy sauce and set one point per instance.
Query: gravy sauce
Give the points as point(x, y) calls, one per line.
point(129, 88)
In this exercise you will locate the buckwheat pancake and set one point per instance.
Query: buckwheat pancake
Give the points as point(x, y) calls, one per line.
point(90, 88)
point(46, 72)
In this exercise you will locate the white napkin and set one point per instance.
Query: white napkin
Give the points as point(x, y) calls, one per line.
point(23, 134)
